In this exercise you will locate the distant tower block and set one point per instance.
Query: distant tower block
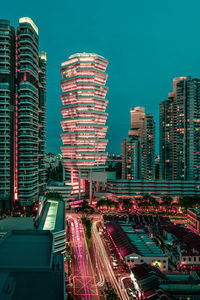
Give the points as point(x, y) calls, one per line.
point(84, 118)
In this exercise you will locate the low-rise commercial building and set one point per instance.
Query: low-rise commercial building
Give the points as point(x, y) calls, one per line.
point(61, 188)
point(29, 268)
point(151, 284)
point(15, 223)
point(180, 244)
point(52, 218)
point(135, 246)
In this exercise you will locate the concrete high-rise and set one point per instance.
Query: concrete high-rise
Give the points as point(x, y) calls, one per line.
point(84, 117)
point(131, 158)
point(7, 92)
point(182, 131)
point(138, 150)
point(166, 140)
point(148, 148)
point(22, 114)
point(137, 122)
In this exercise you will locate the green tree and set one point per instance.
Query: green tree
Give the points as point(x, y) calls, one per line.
point(101, 203)
point(188, 201)
point(115, 204)
point(87, 222)
point(167, 202)
point(85, 209)
point(153, 202)
point(108, 203)
point(127, 203)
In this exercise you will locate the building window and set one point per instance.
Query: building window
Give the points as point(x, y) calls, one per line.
point(189, 259)
point(194, 258)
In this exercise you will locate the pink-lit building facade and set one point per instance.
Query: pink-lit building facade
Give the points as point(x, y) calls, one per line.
point(22, 114)
point(84, 118)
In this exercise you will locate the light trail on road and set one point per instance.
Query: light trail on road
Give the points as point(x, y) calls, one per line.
point(106, 262)
point(78, 253)
point(99, 266)
point(83, 270)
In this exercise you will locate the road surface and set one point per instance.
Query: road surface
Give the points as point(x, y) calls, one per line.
point(103, 265)
point(84, 285)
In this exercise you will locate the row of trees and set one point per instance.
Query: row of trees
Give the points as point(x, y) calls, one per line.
point(124, 203)
point(86, 211)
point(147, 202)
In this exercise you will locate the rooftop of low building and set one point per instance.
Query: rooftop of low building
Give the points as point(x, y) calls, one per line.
point(26, 249)
point(16, 223)
point(52, 216)
point(28, 267)
point(129, 240)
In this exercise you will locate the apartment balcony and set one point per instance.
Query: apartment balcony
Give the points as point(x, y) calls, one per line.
point(4, 69)
point(28, 34)
point(4, 42)
point(25, 60)
point(28, 68)
point(27, 41)
point(24, 54)
point(28, 86)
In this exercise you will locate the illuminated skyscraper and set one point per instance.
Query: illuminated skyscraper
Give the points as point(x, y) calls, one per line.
point(7, 88)
point(131, 158)
point(23, 123)
point(166, 140)
point(180, 123)
point(84, 117)
point(148, 148)
point(138, 150)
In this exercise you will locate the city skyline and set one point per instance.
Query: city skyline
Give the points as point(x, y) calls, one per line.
point(79, 220)
point(139, 32)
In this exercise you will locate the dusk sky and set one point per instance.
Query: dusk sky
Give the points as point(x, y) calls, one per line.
point(147, 44)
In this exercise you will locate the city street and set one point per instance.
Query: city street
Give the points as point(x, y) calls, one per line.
point(84, 285)
point(92, 272)
point(103, 264)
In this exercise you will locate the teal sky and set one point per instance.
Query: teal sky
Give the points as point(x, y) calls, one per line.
point(147, 44)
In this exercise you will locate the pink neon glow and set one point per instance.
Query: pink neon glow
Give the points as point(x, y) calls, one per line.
point(83, 111)
point(81, 264)
point(15, 150)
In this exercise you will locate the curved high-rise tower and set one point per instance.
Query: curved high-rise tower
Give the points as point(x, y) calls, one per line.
point(22, 114)
point(84, 118)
